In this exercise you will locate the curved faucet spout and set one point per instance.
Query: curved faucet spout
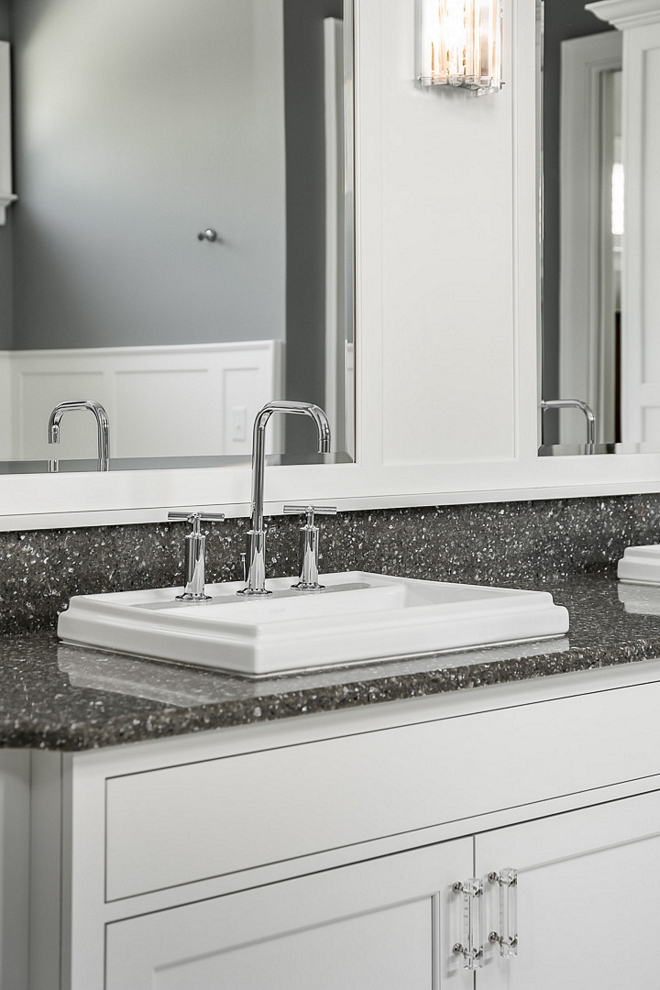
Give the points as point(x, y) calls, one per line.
point(575, 404)
point(297, 409)
point(102, 426)
point(256, 553)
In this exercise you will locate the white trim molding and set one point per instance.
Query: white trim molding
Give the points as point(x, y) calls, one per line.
point(639, 23)
point(624, 14)
point(6, 195)
point(586, 324)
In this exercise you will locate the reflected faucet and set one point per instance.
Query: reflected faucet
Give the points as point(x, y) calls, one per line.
point(102, 426)
point(255, 565)
point(575, 404)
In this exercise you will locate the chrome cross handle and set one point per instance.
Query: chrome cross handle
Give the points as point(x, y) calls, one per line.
point(309, 544)
point(193, 590)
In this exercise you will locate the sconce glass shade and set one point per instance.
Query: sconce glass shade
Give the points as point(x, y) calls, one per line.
point(461, 44)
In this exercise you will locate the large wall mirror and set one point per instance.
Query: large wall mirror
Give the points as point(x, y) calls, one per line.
point(181, 250)
point(150, 123)
point(599, 161)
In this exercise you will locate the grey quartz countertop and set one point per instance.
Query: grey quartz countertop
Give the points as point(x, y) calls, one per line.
point(67, 698)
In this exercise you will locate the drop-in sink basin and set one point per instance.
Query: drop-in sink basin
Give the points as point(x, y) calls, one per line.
point(358, 617)
point(640, 565)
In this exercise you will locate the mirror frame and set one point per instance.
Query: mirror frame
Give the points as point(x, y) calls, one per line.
point(65, 500)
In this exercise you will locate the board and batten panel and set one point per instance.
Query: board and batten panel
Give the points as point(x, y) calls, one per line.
point(448, 329)
point(260, 808)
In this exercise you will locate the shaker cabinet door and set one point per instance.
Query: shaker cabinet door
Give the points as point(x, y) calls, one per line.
point(386, 924)
point(588, 910)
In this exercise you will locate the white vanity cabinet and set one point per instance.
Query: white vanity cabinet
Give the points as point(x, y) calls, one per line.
point(588, 916)
point(377, 924)
point(323, 852)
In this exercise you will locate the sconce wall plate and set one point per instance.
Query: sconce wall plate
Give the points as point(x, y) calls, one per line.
point(461, 44)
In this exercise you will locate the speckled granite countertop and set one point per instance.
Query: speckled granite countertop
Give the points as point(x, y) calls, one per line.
point(66, 698)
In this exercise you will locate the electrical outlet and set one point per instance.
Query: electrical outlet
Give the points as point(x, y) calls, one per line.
point(239, 424)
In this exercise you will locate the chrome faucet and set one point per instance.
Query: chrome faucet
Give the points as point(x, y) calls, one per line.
point(575, 404)
point(255, 565)
point(102, 426)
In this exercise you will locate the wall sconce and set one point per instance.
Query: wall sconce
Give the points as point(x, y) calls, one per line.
point(461, 44)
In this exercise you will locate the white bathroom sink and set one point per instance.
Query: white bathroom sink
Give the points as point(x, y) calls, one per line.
point(358, 617)
point(640, 565)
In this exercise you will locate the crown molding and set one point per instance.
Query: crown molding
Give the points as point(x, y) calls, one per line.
point(624, 14)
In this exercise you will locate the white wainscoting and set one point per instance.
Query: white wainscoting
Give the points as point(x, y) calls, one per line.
point(164, 401)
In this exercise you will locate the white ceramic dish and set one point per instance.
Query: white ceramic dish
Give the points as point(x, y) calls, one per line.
point(359, 617)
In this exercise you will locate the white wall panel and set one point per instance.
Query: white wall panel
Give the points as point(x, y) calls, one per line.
point(161, 401)
point(448, 335)
point(641, 239)
point(651, 206)
point(159, 411)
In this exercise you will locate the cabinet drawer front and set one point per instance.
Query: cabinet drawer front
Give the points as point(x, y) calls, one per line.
point(181, 824)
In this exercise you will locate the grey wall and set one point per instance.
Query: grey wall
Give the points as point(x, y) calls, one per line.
point(6, 250)
point(305, 183)
point(564, 19)
point(138, 125)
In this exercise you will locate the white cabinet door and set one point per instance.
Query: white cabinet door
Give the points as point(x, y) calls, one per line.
point(387, 924)
point(588, 906)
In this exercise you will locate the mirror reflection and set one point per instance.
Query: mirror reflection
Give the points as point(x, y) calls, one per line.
point(599, 162)
point(181, 248)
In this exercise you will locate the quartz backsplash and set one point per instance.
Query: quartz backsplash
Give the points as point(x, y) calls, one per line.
point(506, 543)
